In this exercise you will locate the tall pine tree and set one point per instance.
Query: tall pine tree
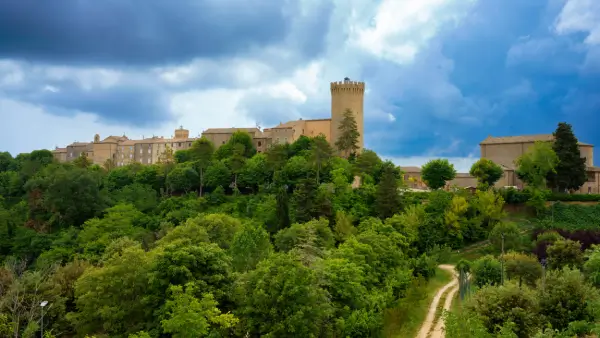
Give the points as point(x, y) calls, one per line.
point(282, 210)
point(387, 198)
point(304, 196)
point(571, 171)
point(347, 142)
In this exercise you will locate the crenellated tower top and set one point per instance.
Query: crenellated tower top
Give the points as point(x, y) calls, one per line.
point(347, 86)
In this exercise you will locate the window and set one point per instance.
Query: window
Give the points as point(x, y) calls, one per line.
point(179, 144)
point(259, 143)
point(223, 142)
point(285, 140)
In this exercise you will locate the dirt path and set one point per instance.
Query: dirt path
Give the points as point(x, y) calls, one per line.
point(428, 323)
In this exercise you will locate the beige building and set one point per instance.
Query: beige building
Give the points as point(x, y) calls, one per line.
point(120, 150)
point(505, 151)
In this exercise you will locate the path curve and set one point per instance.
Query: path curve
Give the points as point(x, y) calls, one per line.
point(428, 323)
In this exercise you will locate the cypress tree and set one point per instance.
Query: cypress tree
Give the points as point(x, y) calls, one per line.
point(571, 170)
point(283, 210)
point(304, 196)
point(387, 198)
point(347, 142)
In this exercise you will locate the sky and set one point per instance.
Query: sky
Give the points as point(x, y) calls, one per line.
point(441, 75)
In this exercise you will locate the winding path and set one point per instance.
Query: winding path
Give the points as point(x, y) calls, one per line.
point(438, 330)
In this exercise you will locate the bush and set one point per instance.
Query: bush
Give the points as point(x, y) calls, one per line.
point(514, 196)
point(565, 253)
point(487, 270)
point(544, 238)
point(574, 197)
point(498, 306)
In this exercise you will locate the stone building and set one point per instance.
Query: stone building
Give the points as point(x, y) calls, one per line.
point(121, 150)
point(505, 151)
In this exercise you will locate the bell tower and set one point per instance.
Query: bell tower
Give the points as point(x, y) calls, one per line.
point(347, 95)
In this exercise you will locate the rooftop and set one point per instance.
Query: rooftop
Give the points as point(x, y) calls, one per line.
point(522, 139)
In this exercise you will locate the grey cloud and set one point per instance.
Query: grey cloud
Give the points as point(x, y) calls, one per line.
point(132, 99)
point(139, 32)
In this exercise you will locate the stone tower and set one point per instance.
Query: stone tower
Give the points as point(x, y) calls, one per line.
point(347, 95)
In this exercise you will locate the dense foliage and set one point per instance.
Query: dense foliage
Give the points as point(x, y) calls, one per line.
point(220, 242)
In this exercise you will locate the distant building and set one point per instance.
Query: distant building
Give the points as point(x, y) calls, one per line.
point(122, 151)
point(505, 151)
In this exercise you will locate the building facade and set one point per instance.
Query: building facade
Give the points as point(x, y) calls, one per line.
point(120, 150)
point(505, 151)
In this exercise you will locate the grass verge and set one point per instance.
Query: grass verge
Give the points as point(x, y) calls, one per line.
point(405, 320)
point(439, 310)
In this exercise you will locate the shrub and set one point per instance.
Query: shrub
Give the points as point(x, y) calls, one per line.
point(487, 270)
point(574, 197)
point(514, 196)
point(565, 253)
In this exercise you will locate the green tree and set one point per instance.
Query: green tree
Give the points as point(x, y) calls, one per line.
point(320, 153)
point(255, 172)
point(591, 267)
point(82, 161)
point(218, 174)
point(221, 228)
point(566, 298)
point(108, 297)
point(497, 306)
point(387, 198)
point(182, 156)
point(570, 172)
point(182, 179)
point(150, 175)
point(522, 268)
point(436, 173)
point(143, 197)
point(347, 142)
point(504, 236)
point(249, 246)
point(277, 156)
point(190, 317)
point(6, 161)
point(201, 152)
point(301, 145)
point(565, 253)
point(283, 210)
point(304, 198)
point(282, 298)
point(64, 196)
point(487, 173)
point(367, 163)
point(536, 164)
point(487, 270)
point(241, 139)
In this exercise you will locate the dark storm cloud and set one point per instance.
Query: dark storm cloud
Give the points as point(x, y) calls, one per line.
point(138, 32)
point(115, 98)
point(135, 106)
